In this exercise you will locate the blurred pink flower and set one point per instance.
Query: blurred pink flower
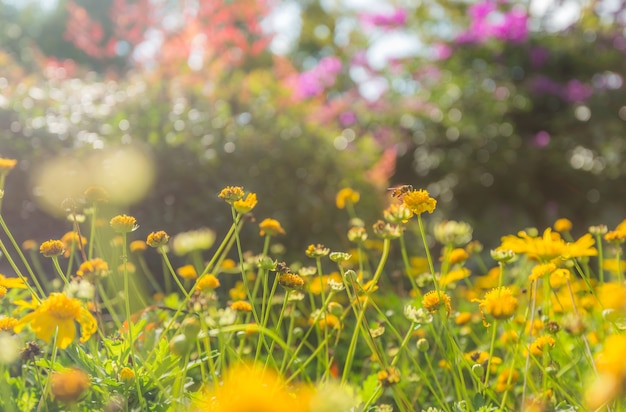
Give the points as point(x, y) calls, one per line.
point(313, 82)
point(441, 51)
point(385, 21)
point(490, 23)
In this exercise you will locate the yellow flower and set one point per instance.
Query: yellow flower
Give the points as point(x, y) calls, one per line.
point(613, 265)
point(454, 276)
point(127, 374)
point(231, 194)
point(563, 225)
point(70, 240)
point(509, 336)
point(69, 385)
point(290, 281)
point(463, 318)
point(228, 264)
point(419, 201)
point(3, 292)
point(157, 239)
point(397, 213)
point(29, 245)
point(456, 255)
point(559, 278)
point(137, 246)
point(618, 235)
point(93, 269)
point(433, 300)
point(238, 292)
point(488, 281)
point(357, 234)
point(611, 366)
point(245, 205)
point(58, 314)
point(481, 358)
point(123, 224)
point(10, 283)
point(247, 388)
point(52, 248)
point(317, 283)
point(270, 227)
point(315, 251)
point(329, 321)
point(389, 376)
point(6, 165)
point(612, 295)
point(7, 324)
point(499, 303)
point(187, 272)
point(548, 246)
point(241, 306)
point(207, 283)
point(539, 271)
point(504, 377)
point(542, 342)
point(346, 196)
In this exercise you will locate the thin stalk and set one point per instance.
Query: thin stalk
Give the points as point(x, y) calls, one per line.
point(427, 250)
point(129, 322)
point(21, 255)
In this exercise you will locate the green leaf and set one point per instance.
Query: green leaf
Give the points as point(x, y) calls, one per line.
point(369, 388)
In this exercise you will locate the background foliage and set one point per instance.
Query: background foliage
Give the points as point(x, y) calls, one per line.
point(507, 115)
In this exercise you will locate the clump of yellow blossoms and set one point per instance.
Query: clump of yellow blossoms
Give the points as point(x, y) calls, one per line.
point(346, 196)
point(58, 314)
point(207, 283)
point(419, 201)
point(187, 272)
point(93, 269)
point(389, 376)
point(539, 345)
point(157, 239)
point(270, 227)
point(563, 225)
point(252, 388)
point(67, 386)
point(245, 205)
point(433, 300)
point(123, 224)
point(127, 374)
point(241, 306)
point(52, 248)
point(499, 303)
point(290, 281)
point(231, 194)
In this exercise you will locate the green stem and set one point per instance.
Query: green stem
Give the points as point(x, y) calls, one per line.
point(21, 255)
point(427, 250)
point(407, 266)
point(57, 267)
point(600, 259)
point(173, 274)
point(21, 276)
point(129, 322)
point(491, 347)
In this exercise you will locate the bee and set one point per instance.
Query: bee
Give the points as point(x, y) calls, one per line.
point(400, 191)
